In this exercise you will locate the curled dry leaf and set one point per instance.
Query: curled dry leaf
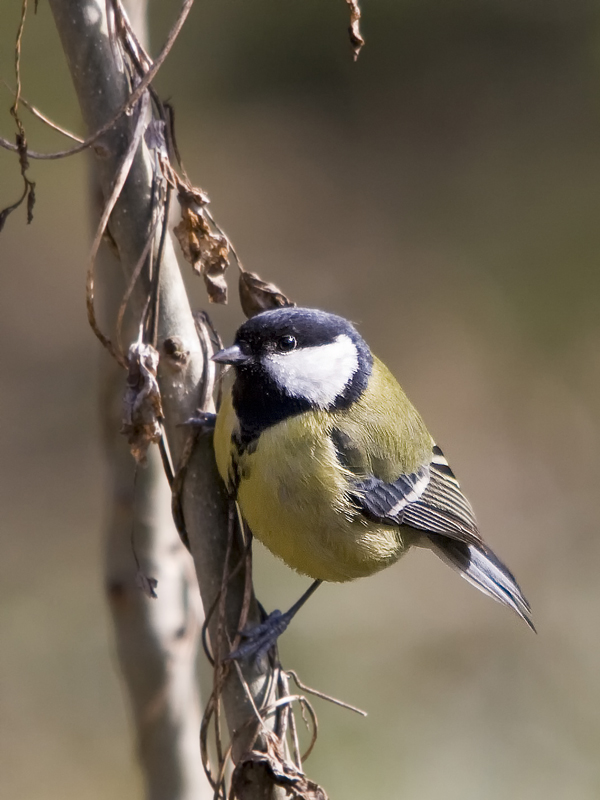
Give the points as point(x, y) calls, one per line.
point(257, 295)
point(282, 772)
point(206, 250)
point(142, 408)
point(356, 38)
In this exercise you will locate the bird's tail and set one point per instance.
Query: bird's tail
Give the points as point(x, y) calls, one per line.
point(478, 565)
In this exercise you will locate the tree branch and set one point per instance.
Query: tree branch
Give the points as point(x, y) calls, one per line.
point(103, 88)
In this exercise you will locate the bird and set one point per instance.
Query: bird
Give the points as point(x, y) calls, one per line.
point(332, 467)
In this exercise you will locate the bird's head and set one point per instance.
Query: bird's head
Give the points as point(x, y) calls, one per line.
point(293, 359)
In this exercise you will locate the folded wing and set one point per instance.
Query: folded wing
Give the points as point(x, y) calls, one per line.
point(430, 501)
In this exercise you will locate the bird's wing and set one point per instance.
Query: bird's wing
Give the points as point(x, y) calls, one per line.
point(443, 508)
point(383, 501)
point(429, 500)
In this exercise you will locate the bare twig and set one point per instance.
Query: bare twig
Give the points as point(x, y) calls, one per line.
point(285, 691)
point(129, 103)
point(130, 287)
point(21, 139)
point(43, 118)
point(15, 108)
point(129, 37)
point(324, 696)
point(119, 182)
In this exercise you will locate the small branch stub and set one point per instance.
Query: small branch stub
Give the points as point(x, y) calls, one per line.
point(175, 351)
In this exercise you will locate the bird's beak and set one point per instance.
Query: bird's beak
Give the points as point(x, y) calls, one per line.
point(231, 355)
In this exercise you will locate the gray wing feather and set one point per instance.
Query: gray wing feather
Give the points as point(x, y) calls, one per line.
point(387, 501)
point(443, 508)
point(429, 500)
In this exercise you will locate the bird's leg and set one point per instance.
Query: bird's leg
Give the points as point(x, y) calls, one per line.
point(261, 638)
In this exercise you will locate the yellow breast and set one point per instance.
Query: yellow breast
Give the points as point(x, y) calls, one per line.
point(292, 493)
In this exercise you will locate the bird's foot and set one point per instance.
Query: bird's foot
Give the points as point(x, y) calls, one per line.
point(202, 421)
point(259, 639)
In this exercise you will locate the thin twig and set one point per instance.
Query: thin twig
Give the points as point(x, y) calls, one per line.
point(118, 183)
point(21, 138)
point(222, 668)
point(204, 731)
point(285, 689)
point(129, 36)
point(46, 120)
point(172, 139)
point(128, 104)
point(241, 563)
point(247, 598)
point(153, 324)
point(248, 693)
point(208, 381)
point(15, 108)
point(130, 286)
point(306, 705)
point(220, 230)
point(220, 789)
point(324, 696)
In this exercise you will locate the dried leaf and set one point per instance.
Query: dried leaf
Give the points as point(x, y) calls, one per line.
point(22, 148)
point(142, 408)
point(214, 266)
point(256, 295)
point(146, 584)
point(186, 234)
point(356, 38)
point(30, 201)
point(206, 250)
point(282, 772)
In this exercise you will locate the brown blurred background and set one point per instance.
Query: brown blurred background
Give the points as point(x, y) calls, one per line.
point(443, 193)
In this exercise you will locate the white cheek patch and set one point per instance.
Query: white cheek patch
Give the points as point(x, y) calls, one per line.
point(318, 374)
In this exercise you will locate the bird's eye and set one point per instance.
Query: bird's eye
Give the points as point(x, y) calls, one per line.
point(286, 343)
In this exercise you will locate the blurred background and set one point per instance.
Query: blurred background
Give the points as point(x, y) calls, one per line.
point(443, 193)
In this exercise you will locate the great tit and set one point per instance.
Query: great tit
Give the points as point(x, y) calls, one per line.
point(332, 467)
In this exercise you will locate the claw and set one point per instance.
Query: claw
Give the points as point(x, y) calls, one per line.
point(261, 638)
